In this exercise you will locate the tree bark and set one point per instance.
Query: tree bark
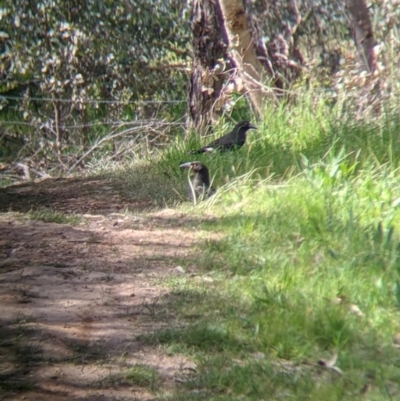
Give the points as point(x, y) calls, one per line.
point(363, 34)
point(207, 77)
point(224, 51)
point(243, 51)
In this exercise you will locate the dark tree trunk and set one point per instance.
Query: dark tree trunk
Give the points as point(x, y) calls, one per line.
point(363, 34)
point(207, 77)
point(228, 48)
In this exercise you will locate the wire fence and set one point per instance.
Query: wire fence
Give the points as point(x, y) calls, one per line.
point(50, 131)
point(69, 122)
point(120, 124)
point(92, 101)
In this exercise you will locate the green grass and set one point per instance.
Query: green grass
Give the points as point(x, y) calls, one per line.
point(307, 266)
point(289, 141)
point(143, 376)
point(4, 182)
point(53, 216)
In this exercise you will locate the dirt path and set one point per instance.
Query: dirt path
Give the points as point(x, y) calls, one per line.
point(74, 299)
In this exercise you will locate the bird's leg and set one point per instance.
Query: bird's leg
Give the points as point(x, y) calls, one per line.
point(192, 189)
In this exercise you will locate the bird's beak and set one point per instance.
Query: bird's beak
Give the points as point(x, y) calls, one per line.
point(251, 126)
point(186, 165)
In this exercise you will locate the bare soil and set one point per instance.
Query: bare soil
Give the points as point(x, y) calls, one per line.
point(75, 298)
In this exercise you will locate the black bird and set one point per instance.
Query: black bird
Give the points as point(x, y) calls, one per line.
point(233, 140)
point(199, 183)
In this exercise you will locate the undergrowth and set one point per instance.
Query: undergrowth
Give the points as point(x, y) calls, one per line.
point(298, 295)
point(302, 299)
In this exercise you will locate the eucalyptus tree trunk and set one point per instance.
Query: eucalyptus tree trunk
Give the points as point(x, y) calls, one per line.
point(224, 53)
point(366, 44)
point(243, 51)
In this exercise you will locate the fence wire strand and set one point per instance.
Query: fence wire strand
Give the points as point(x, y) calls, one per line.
point(49, 122)
point(92, 101)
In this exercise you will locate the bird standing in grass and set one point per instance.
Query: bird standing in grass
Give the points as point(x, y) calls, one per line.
point(233, 140)
point(199, 183)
